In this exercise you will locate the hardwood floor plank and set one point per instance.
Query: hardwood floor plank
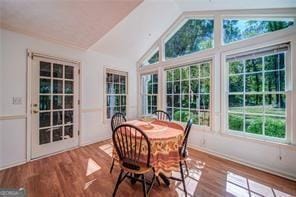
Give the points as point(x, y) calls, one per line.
point(85, 172)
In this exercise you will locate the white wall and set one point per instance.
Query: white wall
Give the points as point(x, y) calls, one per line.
point(13, 84)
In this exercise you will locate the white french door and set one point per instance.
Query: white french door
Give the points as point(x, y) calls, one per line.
point(54, 106)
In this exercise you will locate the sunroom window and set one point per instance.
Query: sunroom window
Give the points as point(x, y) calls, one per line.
point(116, 92)
point(195, 35)
point(149, 93)
point(188, 93)
point(241, 29)
point(256, 92)
point(152, 59)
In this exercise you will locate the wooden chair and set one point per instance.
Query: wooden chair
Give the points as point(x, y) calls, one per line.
point(162, 115)
point(183, 155)
point(134, 163)
point(117, 119)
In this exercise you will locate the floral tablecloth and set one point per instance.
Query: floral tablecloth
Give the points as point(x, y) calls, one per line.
point(165, 139)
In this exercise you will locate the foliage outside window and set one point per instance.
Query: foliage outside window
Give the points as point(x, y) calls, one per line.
point(188, 93)
point(257, 98)
point(149, 93)
point(195, 35)
point(241, 29)
point(116, 93)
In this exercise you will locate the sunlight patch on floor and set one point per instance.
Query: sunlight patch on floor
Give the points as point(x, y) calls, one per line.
point(191, 182)
point(92, 167)
point(88, 184)
point(240, 186)
point(107, 148)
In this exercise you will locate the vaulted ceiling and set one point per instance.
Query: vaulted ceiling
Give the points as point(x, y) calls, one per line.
point(77, 23)
point(121, 28)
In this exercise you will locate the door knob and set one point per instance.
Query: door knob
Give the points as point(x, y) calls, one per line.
point(35, 111)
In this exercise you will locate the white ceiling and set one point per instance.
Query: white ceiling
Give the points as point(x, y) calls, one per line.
point(132, 26)
point(78, 23)
point(135, 34)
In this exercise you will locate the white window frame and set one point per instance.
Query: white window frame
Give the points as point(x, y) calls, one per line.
point(118, 72)
point(142, 92)
point(206, 60)
point(218, 54)
point(287, 91)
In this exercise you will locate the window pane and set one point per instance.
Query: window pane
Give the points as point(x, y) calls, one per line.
point(275, 127)
point(236, 103)
point(185, 73)
point(194, 101)
point(44, 103)
point(154, 58)
point(254, 82)
point(254, 103)
point(195, 35)
point(58, 86)
point(155, 88)
point(57, 70)
point(236, 122)
point(185, 101)
point(45, 86)
point(69, 72)
point(275, 104)
point(274, 62)
point(195, 117)
point(204, 117)
point(254, 65)
point(205, 70)
point(204, 101)
point(194, 71)
point(236, 67)
point(205, 85)
point(169, 88)
point(169, 100)
point(45, 69)
point(169, 75)
point(234, 29)
point(177, 114)
point(149, 93)
point(254, 124)
point(236, 83)
point(195, 86)
point(185, 87)
point(177, 74)
point(176, 88)
point(275, 81)
point(185, 115)
point(176, 101)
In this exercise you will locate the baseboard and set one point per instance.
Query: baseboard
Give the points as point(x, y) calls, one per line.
point(243, 162)
point(12, 165)
point(95, 141)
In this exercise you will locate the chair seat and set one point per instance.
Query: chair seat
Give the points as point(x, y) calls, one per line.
point(141, 168)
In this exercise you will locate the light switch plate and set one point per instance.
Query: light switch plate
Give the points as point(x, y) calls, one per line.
point(17, 100)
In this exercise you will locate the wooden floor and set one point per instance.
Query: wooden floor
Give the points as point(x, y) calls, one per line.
point(85, 172)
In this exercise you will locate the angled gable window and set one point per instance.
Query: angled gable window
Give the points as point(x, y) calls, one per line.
point(240, 29)
point(195, 35)
point(153, 58)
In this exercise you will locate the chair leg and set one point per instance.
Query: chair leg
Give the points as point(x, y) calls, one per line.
point(117, 183)
point(144, 185)
point(183, 179)
point(186, 167)
point(112, 165)
point(157, 180)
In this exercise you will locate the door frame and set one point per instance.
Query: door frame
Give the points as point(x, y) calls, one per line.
point(29, 55)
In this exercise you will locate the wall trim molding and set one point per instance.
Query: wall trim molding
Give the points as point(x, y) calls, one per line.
point(12, 165)
point(243, 162)
point(13, 117)
point(85, 110)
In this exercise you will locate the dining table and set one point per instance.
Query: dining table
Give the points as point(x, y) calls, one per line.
point(165, 140)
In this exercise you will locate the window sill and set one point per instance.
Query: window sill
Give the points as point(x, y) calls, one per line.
point(244, 137)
